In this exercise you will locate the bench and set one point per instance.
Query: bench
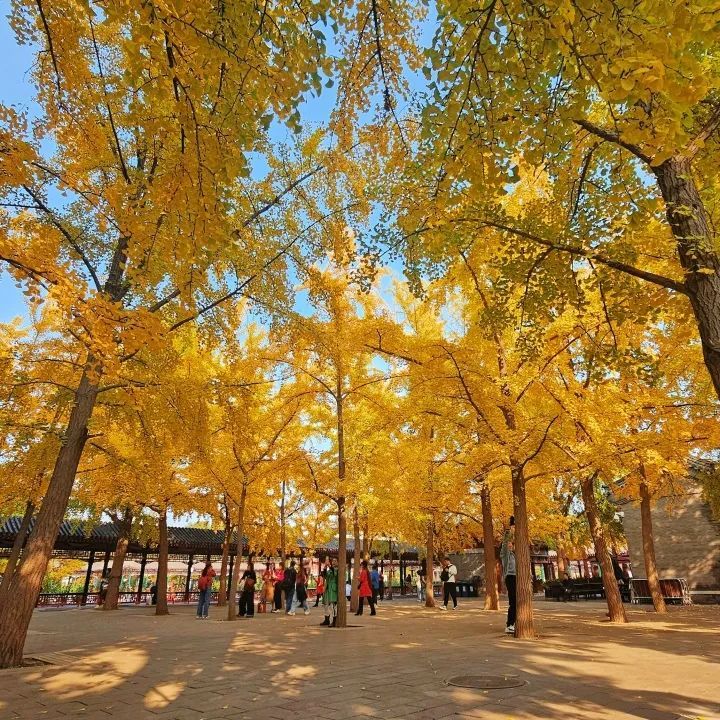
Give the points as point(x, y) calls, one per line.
point(674, 591)
point(580, 588)
point(574, 589)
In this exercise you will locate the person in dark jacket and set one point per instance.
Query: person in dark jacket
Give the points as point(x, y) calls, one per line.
point(289, 582)
point(507, 557)
point(247, 596)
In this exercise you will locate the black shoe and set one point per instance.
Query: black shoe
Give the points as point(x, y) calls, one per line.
point(326, 621)
point(334, 622)
point(373, 613)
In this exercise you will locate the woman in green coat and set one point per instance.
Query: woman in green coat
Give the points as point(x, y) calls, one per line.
point(330, 596)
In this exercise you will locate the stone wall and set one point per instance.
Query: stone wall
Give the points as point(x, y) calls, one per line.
point(470, 564)
point(687, 539)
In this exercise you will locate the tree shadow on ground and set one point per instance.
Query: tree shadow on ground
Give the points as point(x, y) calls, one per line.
point(132, 665)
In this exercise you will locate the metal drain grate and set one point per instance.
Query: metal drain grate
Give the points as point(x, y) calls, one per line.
point(486, 682)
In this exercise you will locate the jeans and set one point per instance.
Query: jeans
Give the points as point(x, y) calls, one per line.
point(449, 591)
point(289, 597)
point(203, 603)
point(247, 603)
point(510, 585)
point(421, 593)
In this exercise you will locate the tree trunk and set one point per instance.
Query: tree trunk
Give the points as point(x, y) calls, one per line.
point(524, 627)
point(161, 581)
point(562, 566)
point(235, 580)
point(342, 517)
point(283, 551)
point(492, 601)
point(113, 588)
point(16, 607)
point(690, 226)
point(222, 594)
point(430, 565)
point(602, 553)
point(355, 592)
point(366, 541)
point(648, 541)
point(17, 548)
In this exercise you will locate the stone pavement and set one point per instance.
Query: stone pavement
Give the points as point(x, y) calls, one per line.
point(130, 665)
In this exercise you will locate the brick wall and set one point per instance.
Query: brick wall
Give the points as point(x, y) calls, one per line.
point(687, 539)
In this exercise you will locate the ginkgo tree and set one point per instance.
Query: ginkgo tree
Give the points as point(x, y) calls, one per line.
point(143, 216)
point(330, 351)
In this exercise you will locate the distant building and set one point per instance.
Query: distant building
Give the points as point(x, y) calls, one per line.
point(687, 539)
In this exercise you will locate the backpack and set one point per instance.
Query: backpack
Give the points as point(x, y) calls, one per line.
point(445, 575)
point(289, 579)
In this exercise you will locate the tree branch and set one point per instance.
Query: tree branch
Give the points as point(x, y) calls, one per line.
point(661, 280)
point(615, 138)
point(712, 124)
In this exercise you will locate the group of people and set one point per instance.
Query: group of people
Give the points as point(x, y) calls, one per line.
point(292, 582)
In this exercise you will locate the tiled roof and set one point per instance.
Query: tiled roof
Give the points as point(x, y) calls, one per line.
point(76, 533)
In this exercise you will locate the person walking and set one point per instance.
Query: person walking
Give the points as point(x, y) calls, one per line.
point(365, 589)
point(448, 575)
point(330, 596)
point(247, 596)
point(301, 589)
point(205, 587)
point(507, 558)
point(278, 577)
point(375, 583)
point(320, 587)
point(322, 577)
point(381, 590)
point(420, 582)
point(289, 580)
point(267, 589)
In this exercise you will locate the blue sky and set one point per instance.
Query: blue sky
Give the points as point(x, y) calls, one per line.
point(15, 89)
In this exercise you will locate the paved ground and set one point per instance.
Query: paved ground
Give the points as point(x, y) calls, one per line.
point(130, 665)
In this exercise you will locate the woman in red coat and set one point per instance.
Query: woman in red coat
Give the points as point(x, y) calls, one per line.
point(365, 589)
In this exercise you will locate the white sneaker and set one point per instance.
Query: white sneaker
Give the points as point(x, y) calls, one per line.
point(443, 607)
point(291, 612)
point(510, 630)
point(307, 612)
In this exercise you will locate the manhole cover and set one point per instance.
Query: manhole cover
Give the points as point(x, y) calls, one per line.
point(486, 682)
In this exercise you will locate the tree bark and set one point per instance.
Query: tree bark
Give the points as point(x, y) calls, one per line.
point(16, 607)
point(113, 588)
point(283, 551)
point(492, 601)
point(429, 565)
point(562, 566)
point(524, 626)
point(366, 541)
point(616, 609)
point(355, 592)
point(235, 580)
point(648, 541)
point(17, 548)
point(222, 594)
point(161, 581)
point(691, 227)
point(342, 517)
